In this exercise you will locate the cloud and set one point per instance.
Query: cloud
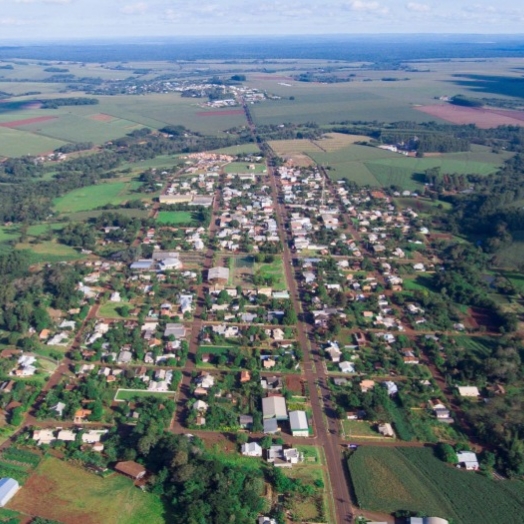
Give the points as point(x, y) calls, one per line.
point(419, 8)
point(43, 1)
point(12, 21)
point(367, 6)
point(134, 9)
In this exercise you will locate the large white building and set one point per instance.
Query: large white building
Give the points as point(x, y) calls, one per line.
point(8, 488)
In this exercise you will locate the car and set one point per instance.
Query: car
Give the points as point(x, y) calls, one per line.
point(352, 446)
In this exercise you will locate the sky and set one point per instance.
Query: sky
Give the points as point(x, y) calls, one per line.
point(30, 20)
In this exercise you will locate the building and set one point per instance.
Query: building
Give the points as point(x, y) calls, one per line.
point(298, 423)
point(386, 430)
point(8, 489)
point(468, 460)
point(218, 274)
point(131, 469)
point(468, 391)
point(271, 426)
point(251, 449)
point(274, 407)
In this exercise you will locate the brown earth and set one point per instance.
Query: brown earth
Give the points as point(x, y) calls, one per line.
point(481, 117)
point(27, 121)
point(102, 117)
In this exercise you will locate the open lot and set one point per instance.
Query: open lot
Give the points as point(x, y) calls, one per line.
point(392, 479)
point(128, 394)
point(175, 218)
point(60, 491)
point(48, 252)
point(91, 197)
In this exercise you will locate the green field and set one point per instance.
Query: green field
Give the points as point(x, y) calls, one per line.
point(8, 234)
point(15, 142)
point(361, 429)
point(241, 167)
point(91, 197)
point(176, 218)
point(73, 495)
point(39, 229)
point(372, 166)
point(275, 271)
point(238, 150)
point(129, 394)
point(110, 309)
point(48, 252)
point(392, 479)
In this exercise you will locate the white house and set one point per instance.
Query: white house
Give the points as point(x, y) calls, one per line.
point(251, 449)
point(468, 460)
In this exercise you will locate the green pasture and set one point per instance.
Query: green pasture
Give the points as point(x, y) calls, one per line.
point(175, 217)
point(91, 197)
point(48, 252)
point(39, 229)
point(76, 128)
point(15, 142)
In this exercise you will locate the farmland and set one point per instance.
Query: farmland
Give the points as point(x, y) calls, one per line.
point(372, 166)
point(392, 479)
point(63, 492)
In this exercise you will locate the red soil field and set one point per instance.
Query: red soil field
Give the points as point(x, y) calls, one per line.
point(27, 121)
point(227, 112)
point(102, 117)
point(482, 118)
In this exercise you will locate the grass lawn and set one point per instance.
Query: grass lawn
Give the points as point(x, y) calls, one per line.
point(361, 429)
point(391, 479)
point(275, 270)
point(241, 167)
point(8, 233)
point(60, 491)
point(419, 283)
point(110, 309)
point(39, 229)
point(49, 252)
point(128, 394)
point(176, 218)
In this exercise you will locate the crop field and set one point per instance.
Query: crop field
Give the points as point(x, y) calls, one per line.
point(60, 491)
point(78, 128)
point(373, 166)
point(241, 167)
point(481, 117)
point(90, 197)
point(15, 142)
point(392, 479)
point(334, 141)
point(176, 218)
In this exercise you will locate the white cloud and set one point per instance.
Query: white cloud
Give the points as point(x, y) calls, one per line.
point(134, 9)
point(364, 5)
point(419, 8)
point(43, 1)
point(12, 21)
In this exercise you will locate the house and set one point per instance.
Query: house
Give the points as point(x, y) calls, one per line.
point(283, 458)
point(131, 469)
point(360, 339)
point(66, 435)
point(200, 406)
point(251, 449)
point(43, 436)
point(386, 430)
point(346, 367)
point(218, 274)
point(176, 330)
point(468, 391)
point(245, 376)
point(298, 423)
point(271, 426)
point(8, 489)
point(245, 421)
point(274, 407)
point(80, 415)
point(468, 460)
point(271, 383)
point(391, 387)
point(367, 385)
point(266, 520)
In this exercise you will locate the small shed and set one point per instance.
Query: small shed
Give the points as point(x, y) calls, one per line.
point(8, 488)
point(131, 469)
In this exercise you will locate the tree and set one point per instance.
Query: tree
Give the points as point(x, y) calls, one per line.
point(241, 438)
